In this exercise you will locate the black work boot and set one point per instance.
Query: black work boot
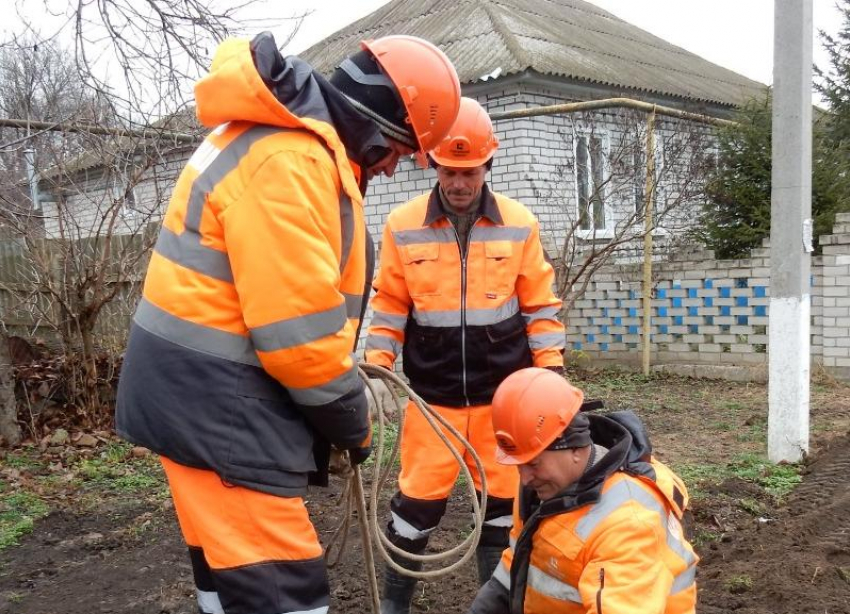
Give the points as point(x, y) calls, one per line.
point(398, 588)
point(487, 558)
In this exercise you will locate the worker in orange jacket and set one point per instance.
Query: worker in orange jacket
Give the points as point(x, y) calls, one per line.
point(240, 370)
point(598, 521)
point(464, 292)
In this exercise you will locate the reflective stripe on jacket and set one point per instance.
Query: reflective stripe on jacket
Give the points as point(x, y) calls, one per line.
point(241, 347)
point(614, 544)
point(464, 325)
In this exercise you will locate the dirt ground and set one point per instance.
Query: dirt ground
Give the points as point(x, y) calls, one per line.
point(759, 555)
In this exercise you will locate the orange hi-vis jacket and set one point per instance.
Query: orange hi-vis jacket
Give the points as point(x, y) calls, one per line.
point(240, 357)
point(463, 324)
point(610, 544)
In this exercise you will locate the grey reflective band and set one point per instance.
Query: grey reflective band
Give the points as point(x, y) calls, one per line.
point(293, 332)
point(474, 317)
point(620, 494)
point(184, 250)
point(230, 346)
point(330, 392)
point(209, 603)
point(389, 320)
point(353, 305)
point(502, 575)
point(346, 226)
point(424, 235)
point(544, 313)
point(407, 530)
point(684, 580)
point(382, 343)
point(552, 587)
point(482, 234)
point(547, 341)
point(500, 521)
point(501, 233)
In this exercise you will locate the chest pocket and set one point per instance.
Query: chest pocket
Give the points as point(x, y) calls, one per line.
point(500, 268)
point(421, 268)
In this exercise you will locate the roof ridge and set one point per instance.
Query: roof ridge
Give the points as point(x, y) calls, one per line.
point(508, 37)
point(640, 62)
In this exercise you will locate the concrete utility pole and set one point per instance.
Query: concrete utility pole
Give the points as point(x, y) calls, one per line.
point(791, 232)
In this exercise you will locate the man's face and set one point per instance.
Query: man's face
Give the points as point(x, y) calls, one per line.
point(554, 470)
point(461, 186)
point(386, 165)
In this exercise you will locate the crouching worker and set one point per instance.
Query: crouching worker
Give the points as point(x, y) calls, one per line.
point(597, 523)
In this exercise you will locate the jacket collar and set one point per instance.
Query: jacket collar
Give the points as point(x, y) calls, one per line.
point(489, 208)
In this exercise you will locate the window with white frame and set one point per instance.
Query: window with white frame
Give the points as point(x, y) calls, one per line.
point(591, 172)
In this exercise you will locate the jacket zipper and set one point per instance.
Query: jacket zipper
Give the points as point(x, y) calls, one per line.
point(599, 592)
point(463, 255)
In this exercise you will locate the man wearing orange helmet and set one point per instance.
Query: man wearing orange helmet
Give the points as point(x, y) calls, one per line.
point(597, 523)
point(464, 292)
point(240, 370)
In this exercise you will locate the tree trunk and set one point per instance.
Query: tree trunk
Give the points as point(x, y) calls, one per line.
point(10, 432)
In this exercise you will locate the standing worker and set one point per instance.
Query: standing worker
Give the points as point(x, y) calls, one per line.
point(464, 292)
point(597, 524)
point(240, 370)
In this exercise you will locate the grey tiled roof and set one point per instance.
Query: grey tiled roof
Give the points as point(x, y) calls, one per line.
point(571, 39)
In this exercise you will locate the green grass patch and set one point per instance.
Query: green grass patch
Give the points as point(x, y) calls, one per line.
point(114, 469)
point(777, 480)
point(18, 513)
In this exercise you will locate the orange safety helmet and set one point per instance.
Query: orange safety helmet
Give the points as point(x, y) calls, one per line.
point(531, 408)
point(425, 79)
point(471, 141)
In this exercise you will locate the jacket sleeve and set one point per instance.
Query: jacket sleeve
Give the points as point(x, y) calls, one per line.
point(390, 306)
point(492, 598)
point(283, 237)
point(539, 305)
point(625, 570)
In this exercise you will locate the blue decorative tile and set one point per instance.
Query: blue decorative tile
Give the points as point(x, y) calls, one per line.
point(708, 301)
point(662, 312)
point(632, 295)
point(725, 292)
point(742, 320)
point(677, 303)
point(760, 291)
point(709, 320)
point(603, 347)
point(661, 293)
point(692, 292)
point(603, 329)
point(632, 312)
point(678, 320)
point(677, 284)
point(693, 311)
point(761, 310)
point(591, 337)
point(708, 283)
point(604, 312)
point(693, 329)
point(633, 330)
point(577, 345)
point(726, 310)
point(741, 301)
point(618, 321)
point(662, 329)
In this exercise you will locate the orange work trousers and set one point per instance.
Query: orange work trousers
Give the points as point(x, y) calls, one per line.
point(251, 552)
point(429, 472)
